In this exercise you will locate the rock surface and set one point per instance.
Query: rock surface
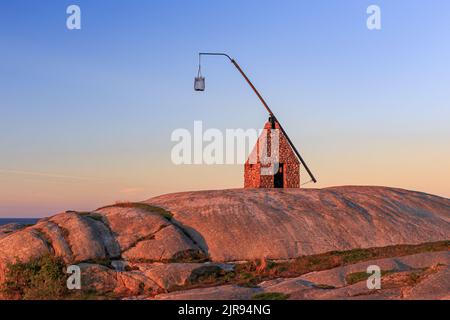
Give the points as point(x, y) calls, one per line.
point(336, 276)
point(227, 292)
point(143, 278)
point(433, 283)
point(10, 228)
point(166, 244)
point(245, 224)
point(131, 225)
point(435, 286)
point(142, 250)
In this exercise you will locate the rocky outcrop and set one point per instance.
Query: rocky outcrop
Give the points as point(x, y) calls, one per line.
point(172, 275)
point(430, 281)
point(286, 223)
point(143, 278)
point(227, 292)
point(435, 286)
point(140, 235)
point(10, 228)
point(78, 237)
point(22, 245)
point(432, 284)
point(131, 225)
point(337, 276)
point(167, 242)
point(166, 245)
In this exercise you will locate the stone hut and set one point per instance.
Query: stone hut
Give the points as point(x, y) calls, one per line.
point(288, 173)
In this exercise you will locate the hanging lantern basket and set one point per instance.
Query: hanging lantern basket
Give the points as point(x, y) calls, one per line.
point(199, 82)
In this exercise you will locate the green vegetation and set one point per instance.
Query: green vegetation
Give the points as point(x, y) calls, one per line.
point(355, 255)
point(324, 286)
point(143, 206)
point(251, 273)
point(189, 256)
point(207, 274)
point(270, 296)
point(43, 278)
point(186, 256)
point(414, 277)
point(81, 213)
point(355, 277)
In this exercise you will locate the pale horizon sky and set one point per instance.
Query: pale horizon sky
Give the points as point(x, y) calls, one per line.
point(87, 115)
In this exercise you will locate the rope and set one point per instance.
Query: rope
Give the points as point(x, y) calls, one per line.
point(199, 73)
point(306, 182)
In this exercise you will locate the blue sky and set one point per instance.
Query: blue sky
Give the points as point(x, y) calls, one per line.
point(86, 115)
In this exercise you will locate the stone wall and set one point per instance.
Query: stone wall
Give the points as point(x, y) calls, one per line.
point(286, 156)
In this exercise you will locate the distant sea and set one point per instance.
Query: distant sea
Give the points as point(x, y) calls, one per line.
point(18, 220)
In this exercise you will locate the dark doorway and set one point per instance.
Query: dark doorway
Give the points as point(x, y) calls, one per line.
point(278, 178)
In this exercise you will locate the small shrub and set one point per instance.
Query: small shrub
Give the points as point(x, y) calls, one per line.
point(188, 256)
point(43, 278)
point(206, 275)
point(414, 277)
point(39, 279)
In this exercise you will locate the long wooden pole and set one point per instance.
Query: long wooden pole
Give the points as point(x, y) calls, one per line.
point(265, 106)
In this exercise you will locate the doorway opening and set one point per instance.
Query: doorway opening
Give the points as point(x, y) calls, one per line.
point(278, 178)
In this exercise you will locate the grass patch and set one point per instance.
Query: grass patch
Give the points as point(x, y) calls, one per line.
point(270, 296)
point(250, 274)
point(209, 275)
point(352, 256)
point(355, 277)
point(43, 278)
point(189, 256)
point(324, 286)
point(143, 206)
point(81, 213)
